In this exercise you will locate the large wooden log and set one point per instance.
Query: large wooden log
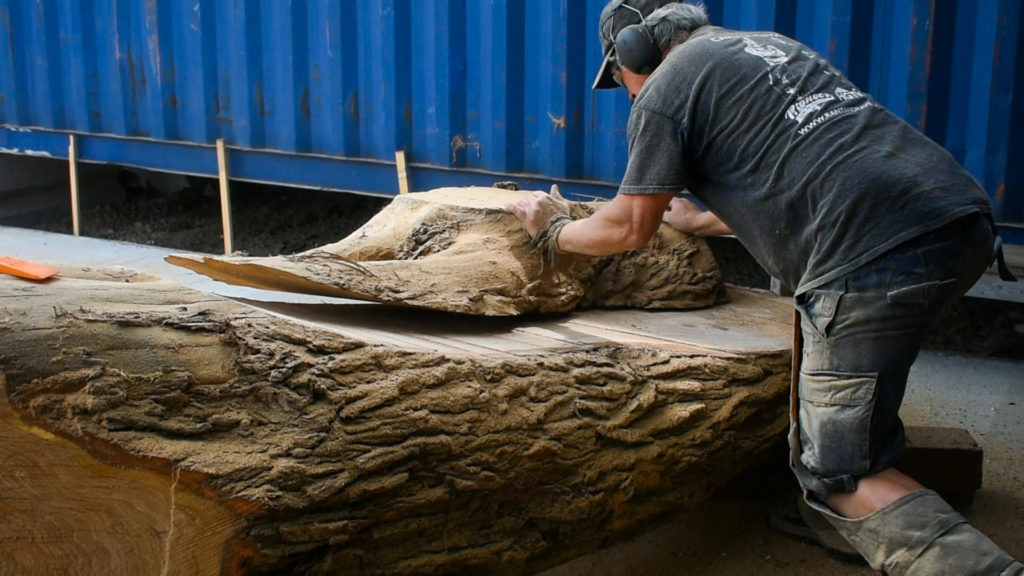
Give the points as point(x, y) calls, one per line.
point(234, 440)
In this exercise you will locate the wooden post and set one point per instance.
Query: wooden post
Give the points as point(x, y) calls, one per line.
point(403, 175)
point(73, 173)
point(225, 195)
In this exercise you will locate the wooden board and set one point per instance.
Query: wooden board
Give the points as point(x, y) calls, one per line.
point(754, 321)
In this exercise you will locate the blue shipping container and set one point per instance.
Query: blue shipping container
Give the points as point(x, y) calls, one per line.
point(322, 93)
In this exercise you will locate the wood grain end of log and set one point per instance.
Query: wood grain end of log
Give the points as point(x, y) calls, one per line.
point(101, 517)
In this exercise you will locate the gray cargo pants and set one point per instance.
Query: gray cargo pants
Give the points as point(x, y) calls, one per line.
point(861, 334)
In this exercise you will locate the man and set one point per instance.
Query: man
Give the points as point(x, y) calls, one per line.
point(871, 224)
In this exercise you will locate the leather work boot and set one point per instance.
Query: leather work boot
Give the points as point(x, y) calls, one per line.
point(921, 535)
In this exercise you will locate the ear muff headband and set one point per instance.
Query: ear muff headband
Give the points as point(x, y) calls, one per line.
point(636, 50)
point(635, 46)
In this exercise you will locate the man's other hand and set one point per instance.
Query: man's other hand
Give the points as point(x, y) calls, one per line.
point(685, 216)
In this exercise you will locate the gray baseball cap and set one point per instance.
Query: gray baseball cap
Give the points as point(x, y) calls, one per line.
point(616, 15)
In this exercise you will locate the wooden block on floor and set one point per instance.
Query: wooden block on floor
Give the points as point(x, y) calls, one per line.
point(947, 460)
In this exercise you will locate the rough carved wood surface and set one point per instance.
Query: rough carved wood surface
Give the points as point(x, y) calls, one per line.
point(333, 451)
point(458, 250)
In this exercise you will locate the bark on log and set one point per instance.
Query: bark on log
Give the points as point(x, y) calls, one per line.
point(458, 250)
point(246, 443)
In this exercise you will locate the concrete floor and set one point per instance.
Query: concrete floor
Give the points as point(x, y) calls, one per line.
point(726, 536)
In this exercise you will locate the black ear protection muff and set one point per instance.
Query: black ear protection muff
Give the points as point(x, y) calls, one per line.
point(635, 46)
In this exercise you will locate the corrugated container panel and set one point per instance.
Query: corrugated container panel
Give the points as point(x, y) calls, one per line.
point(385, 86)
point(284, 76)
point(239, 52)
point(332, 93)
point(321, 93)
point(438, 102)
point(494, 72)
point(1009, 198)
point(106, 27)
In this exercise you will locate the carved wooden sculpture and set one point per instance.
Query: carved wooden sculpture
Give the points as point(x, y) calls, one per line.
point(458, 250)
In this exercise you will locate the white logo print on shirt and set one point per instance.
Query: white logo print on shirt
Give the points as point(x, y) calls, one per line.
point(775, 58)
point(808, 105)
point(770, 54)
point(781, 77)
point(844, 94)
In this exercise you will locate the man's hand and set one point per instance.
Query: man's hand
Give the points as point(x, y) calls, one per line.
point(685, 216)
point(682, 215)
point(543, 216)
point(537, 210)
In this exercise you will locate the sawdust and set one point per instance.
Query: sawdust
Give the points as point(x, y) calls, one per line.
point(108, 273)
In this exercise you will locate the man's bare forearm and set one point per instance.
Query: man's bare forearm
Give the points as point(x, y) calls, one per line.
point(626, 223)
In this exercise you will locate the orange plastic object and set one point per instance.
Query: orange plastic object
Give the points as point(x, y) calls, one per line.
point(23, 269)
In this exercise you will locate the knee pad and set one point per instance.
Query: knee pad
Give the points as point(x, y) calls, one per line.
point(921, 535)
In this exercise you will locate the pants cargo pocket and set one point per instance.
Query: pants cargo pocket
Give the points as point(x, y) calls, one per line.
point(835, 422)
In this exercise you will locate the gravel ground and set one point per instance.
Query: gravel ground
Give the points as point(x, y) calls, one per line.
point(267, 220)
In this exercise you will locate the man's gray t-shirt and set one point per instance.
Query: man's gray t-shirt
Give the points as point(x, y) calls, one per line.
point(814, 177)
